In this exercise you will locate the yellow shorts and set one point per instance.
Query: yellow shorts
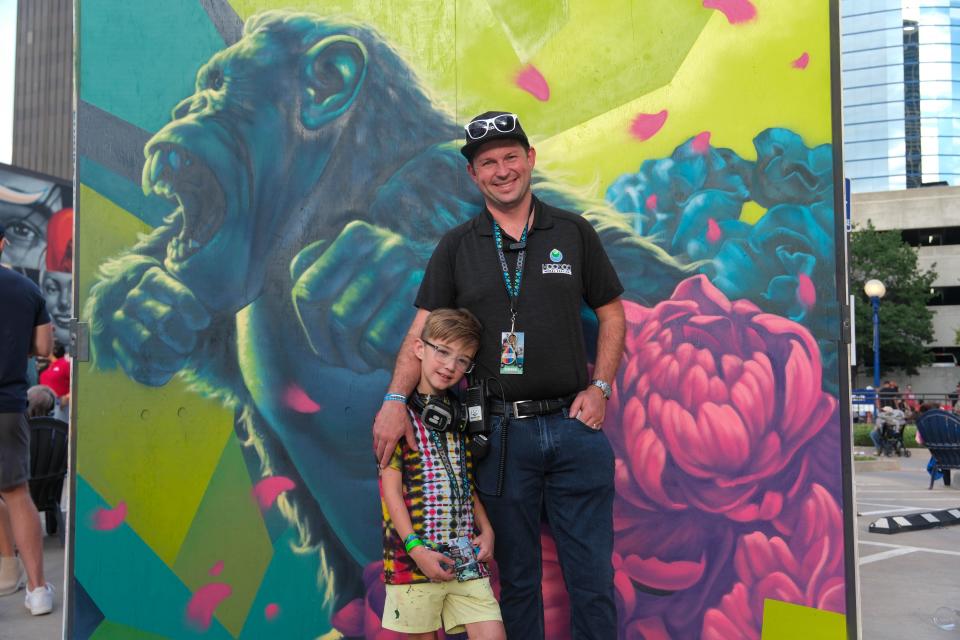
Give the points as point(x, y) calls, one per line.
point(421, 608)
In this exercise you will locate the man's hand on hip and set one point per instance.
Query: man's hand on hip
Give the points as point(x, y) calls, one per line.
point(589, 407)
point(391, 424)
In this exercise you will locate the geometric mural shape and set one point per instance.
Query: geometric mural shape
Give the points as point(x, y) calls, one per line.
point(86, 615)
point(291, 583)
point(128, 582)
point(133, 446)
point(724, 56)
point(227, 531)
point(115, 631)
point(134, 436)
point(161, 45)
point(577, 45)
point(786, 621)
point(116, 227)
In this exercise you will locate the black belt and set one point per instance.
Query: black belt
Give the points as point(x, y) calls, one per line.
point(529, 408)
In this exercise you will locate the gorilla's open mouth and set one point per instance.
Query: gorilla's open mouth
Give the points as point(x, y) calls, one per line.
point(173, 172)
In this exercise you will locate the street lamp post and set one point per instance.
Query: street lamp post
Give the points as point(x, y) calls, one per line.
point(875, 290)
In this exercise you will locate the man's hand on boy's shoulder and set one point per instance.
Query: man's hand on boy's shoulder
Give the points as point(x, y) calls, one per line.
point(484, 541)
point(391, 424)
point(433, 564)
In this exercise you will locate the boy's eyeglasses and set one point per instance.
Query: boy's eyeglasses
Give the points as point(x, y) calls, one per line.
point(444, 355)
point(503, 123)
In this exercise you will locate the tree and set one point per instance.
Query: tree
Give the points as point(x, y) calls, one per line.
point(906, 324)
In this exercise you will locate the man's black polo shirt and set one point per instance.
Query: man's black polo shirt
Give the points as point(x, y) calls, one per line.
point(565, 266)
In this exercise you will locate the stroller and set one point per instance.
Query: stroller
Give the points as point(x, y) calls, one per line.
point(890, 422)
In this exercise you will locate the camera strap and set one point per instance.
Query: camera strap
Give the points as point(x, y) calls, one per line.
point(460, 488)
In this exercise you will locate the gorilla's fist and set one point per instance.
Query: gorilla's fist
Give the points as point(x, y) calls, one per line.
point(354, 296)
point(145, 321)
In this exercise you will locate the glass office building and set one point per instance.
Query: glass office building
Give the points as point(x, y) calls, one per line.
point(900, 62)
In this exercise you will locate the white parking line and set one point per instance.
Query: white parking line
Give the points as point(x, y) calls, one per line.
point(926, 491)
point(874, 513)
point(884, 555)
point(871, 543)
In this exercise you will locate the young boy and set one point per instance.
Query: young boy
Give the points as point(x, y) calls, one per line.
point(433, 521)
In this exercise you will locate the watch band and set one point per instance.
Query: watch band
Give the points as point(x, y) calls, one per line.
point(604, 387)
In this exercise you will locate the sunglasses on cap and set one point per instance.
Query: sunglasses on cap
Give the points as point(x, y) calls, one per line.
point(504, 123)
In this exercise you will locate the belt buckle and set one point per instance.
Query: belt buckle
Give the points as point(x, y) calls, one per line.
point(515, 406)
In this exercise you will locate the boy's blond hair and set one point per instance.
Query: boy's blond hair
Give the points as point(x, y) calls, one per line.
point(452, 325)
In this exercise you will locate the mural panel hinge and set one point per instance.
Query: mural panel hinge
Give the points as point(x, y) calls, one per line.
point(846, 331)
point(79, 340)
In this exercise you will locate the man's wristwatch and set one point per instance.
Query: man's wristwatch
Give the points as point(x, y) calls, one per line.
point(604, 387)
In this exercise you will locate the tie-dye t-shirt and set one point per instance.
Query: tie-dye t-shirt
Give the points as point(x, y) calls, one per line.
point(439, 511)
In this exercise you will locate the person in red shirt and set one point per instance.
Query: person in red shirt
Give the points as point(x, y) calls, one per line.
point(57, 377)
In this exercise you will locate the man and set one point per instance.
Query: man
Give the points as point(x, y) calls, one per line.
point(524, 269)
point(25, 325)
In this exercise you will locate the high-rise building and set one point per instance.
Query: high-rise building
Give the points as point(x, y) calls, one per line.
point(43, 88)
point(900, 62)
point(900, 75)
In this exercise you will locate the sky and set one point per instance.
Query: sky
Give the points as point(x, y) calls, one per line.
point(8, 36)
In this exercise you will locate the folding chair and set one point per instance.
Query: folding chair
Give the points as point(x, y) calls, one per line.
point(49, 441)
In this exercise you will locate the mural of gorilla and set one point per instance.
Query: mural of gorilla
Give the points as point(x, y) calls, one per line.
point(312, 176)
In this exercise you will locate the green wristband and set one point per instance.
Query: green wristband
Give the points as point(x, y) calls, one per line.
point(410, 545)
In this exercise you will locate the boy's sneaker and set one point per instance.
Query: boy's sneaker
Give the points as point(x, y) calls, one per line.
point(11, 575)
point(39, 600)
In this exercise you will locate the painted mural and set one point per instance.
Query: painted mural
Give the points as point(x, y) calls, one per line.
point(258, 199)
point(37, 212)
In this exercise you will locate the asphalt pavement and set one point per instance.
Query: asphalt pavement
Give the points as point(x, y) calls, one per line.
point(905, 577)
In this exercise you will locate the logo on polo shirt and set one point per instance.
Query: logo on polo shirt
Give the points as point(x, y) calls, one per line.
point(555, 266)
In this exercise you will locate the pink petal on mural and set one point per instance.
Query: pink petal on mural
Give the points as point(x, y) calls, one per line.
point(532, 81)
point(666, 575)
point(713, 231)
point(298, 400)
point(736, 11)
point(806, 292)
point(349, 619)
point(204, 602)
point(109, 519)
point(216, 569)
point(646, 125)
point(267, 490)
point(271, 611)
point(802, 61)
point(701, 142)
point(651, 202)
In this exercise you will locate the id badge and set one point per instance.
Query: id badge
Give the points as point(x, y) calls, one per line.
point(511, 352)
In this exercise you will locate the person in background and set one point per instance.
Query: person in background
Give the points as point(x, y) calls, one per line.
point(57, 377)
point(910, 400)
point(26, 327)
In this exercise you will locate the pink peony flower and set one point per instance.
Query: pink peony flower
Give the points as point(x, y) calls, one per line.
point(807, 569)
point(714, 419)
point(714, 398)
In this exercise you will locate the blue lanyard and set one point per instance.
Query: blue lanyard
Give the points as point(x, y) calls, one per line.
point(513, 289)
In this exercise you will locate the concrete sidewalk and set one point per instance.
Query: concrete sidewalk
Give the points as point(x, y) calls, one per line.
point(16, 623)
point(904, 577)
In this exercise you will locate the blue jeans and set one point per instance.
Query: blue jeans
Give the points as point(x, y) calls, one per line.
point(558, 466)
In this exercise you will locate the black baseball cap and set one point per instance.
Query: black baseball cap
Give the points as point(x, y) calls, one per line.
point(499, 125)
